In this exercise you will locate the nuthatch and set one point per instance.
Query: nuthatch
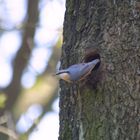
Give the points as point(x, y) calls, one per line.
point(77, 72)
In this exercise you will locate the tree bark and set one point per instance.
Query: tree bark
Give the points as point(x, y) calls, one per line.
point(111, 111)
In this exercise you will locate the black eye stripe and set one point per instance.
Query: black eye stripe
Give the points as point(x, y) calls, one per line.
point(61, 72)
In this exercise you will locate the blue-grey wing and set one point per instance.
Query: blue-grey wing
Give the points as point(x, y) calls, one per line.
point(85, 70)
point(89, 67)
point(77, 71)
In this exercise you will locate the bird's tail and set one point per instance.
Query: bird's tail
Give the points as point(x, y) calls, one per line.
point(95, 61)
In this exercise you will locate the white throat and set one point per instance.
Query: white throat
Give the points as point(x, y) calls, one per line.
point(65, 76)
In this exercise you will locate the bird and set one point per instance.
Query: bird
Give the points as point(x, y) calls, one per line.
point(77, 72)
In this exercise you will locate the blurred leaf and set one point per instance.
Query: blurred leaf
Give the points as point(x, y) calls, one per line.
point(2, 100)
point(23, 137)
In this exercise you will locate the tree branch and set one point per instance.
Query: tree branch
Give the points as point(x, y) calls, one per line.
point(22, 56)
point(8, 132)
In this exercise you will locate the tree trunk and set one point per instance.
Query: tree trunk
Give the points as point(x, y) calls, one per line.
point(107, 107)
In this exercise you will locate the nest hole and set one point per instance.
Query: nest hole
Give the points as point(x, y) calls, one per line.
point(92, 55)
